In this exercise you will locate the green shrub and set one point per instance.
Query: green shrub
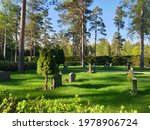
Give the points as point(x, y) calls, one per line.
point(46, 64)
point(102, 60)
point(13, 66)
point(119, 60)
point(135, 60)
point(8, 102)
point(72, 60)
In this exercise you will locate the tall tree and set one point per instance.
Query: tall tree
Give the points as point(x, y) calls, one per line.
point(7, 23)
point(139, 13)
point(76, 10)
point(22, 34)
point(16, 18)
point(97, 24)
point(119, 23)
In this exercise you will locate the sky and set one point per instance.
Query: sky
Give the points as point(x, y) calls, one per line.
point(109, 7)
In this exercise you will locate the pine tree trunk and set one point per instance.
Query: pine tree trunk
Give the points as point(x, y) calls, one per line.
point(82, 41)
point(5, 44)
point(142, 40)
point(95, 39)
point(22, 34)
point(16, 48)
point(141, 50)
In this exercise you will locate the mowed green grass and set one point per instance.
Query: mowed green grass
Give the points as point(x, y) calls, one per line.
point(108, 88)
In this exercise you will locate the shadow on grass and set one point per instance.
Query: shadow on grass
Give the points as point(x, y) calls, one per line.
point(144, 92)
point(93, 86)
point(13, 82)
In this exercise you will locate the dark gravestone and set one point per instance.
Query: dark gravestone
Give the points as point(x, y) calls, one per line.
point(4, 75)
point(65, 67)
point(128, 65)
point(56, 80)
point(134, 81)
point(94, 68)
point(72, 77)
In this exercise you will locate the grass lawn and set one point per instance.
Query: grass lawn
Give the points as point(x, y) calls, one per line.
point(108, 88)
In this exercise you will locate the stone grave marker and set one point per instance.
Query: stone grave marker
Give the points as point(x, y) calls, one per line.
point(128, 65)
point(4, 75)
point(131, 72)
point(110, 65)
point(56, 80)
point(94, 68)
point(72, 77)
point(65, 67)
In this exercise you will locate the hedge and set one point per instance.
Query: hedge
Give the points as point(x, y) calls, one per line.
point(102, 60)
point(13, 66)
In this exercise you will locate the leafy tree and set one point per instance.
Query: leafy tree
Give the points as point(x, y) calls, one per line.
point(127, 48)
point(97, 24)
point(74, 12)
point(46, 64)
point(103, 48)
point(119, 23)
point(136, 50)
point(38, 23)
point(139, 13)
point(62, 40)
point(6, 23)
point(115, 45)
point(147, 51)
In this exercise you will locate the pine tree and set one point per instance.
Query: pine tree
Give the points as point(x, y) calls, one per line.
point(97, 24)
point(139, 13)
point(74, 12)
point(22, 34)
point(119, 23)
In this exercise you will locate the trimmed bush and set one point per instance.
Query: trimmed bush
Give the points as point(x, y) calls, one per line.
point(13, 66)
point(102, 60)
point(46, 64)
point(119, 60)
point(72, 60)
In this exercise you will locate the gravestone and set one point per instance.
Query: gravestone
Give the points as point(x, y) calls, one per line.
point(4, 75)
point(94, 68)
point(128, 65)
point(110, 65)
point(134, 82)
point(72, 77)
point(56, 80)
point(131, 72)
point(65, 67)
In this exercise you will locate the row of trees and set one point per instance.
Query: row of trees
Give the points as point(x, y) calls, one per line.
point(105, 48)
point(73, 13)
